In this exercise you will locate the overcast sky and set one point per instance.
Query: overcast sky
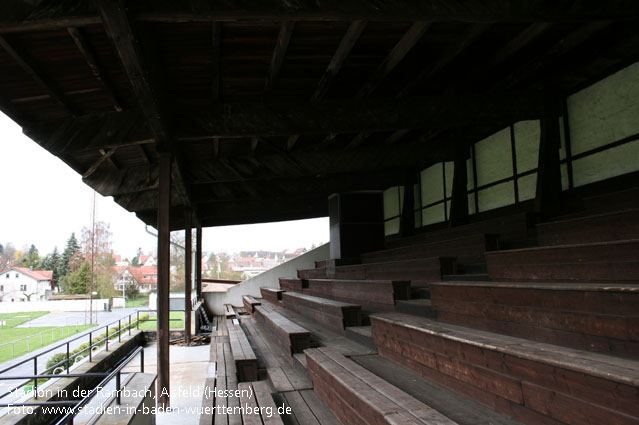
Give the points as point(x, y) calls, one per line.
point(43, 200)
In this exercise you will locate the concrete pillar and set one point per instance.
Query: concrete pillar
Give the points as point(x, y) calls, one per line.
point(356, 223)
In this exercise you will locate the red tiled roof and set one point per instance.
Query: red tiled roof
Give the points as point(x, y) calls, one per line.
point(36, 274)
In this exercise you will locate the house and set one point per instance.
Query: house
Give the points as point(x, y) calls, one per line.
point(145, 277)
point(24, 284)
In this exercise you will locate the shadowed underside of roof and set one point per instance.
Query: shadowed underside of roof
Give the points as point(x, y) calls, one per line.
point(270, 106)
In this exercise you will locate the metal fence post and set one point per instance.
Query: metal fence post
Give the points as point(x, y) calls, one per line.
point(68, 365)
point(119, 330)
point(117, 388)
point(107, 338)
point(35, 380)
point(90, 346)
point(142, 361)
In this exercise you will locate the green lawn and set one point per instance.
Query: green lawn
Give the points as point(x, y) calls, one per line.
point(16, 319)
point(173, 324)
point(39, 336)
point(138, 302)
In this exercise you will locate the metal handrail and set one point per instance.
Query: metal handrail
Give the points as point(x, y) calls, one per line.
point(78, 404)
point(69, 357)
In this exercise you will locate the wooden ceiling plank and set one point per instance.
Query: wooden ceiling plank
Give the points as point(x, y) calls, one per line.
point(89, 56)
point(39, 77)
point(283, 40)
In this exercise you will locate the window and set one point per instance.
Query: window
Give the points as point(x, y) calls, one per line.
point(7, 275)
point(23, 287)
point(17, 275)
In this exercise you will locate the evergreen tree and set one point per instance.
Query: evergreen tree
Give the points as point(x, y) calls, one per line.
point(1, 249)
point(136, 260)
point(77, 282)
point(72, 248)
point(51, 262)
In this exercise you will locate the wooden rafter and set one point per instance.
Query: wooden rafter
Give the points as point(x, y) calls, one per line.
point(89, 56)
point(105, 156)
point(475, 31)
point(216, 56)
point(39, 76)
point(284, 38)
point(343, 50)
point(401, 49)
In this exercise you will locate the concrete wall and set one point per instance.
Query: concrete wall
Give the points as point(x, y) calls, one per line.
point(215, 301)
point(61, 305)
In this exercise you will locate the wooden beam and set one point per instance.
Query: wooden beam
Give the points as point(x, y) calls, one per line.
point(216, 148)
point(117, 25)
point(94, 167)
point(531, 33)
point(38, 75)
point(216, 59)
point(291, 141)
point(144, 153)
point(284, 38)
point(548, 193)
point(188, 234)
point(59, 16)
point(401, 49)
point(292, 118)
point(358, 140)
point(89, 56)
point(343, 50)
point(198, 261)
point(459, 194)
point(396, 136)
point(164, 281)
point(456, 49)
point(254, 143)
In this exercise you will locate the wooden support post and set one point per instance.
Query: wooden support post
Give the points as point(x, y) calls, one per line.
point(547, 199)
point(188, 283)
point(164, 276)
point(198, 262)
point(459, 200)
point(407, 219)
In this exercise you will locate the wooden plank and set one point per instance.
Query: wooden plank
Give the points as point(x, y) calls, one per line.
point(265, 400)
point(318, 408)
point(251, 404)
point(216, 59)
point(188, 251)
point(302, 412)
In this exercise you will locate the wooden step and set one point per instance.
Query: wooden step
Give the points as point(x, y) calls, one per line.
point(419, 271)
point(597, 262)
point(357, 396)
point(317, 273)
point(335, 262)
point(465, 249)
point(291, 337)
point(272, 295)
point(614, 226)
point(531, 381)
point(229, 312)
point(243, 355)
point(250, 303)
point(360, 334)
point(510, 228)
point(259, 407)
point(585, 316)
point(417, 307)
point(292, 285)
point(370, 294)
point(335, 315)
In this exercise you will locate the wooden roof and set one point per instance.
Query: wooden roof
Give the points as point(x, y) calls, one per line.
point(270, 105)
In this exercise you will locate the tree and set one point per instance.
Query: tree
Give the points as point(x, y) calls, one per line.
point(177, 261)
point(51, 262)
point(96, 247)
point(136, 260)
point(31, 258)
point(71, 249)
point(132, 290)
point(77, 282)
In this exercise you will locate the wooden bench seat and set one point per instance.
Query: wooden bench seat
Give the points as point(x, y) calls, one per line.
point(597, 262)
point(357, 396)
point(243, 355)
point(229, 312)
point(419, 272)
point(370, 294)
point(250, 303)
point(531, 381)
point(259, 407)
point(614, 226)
point(594, 317)
point(466, 249)
point(335, 315)
point(291, 337)
point(271, 295)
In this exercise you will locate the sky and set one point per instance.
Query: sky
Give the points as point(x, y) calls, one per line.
point(42, 201)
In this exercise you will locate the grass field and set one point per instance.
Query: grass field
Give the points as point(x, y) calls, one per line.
point(38, 336)
point(173, 324)
point(16, 319)
point(138, 302)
